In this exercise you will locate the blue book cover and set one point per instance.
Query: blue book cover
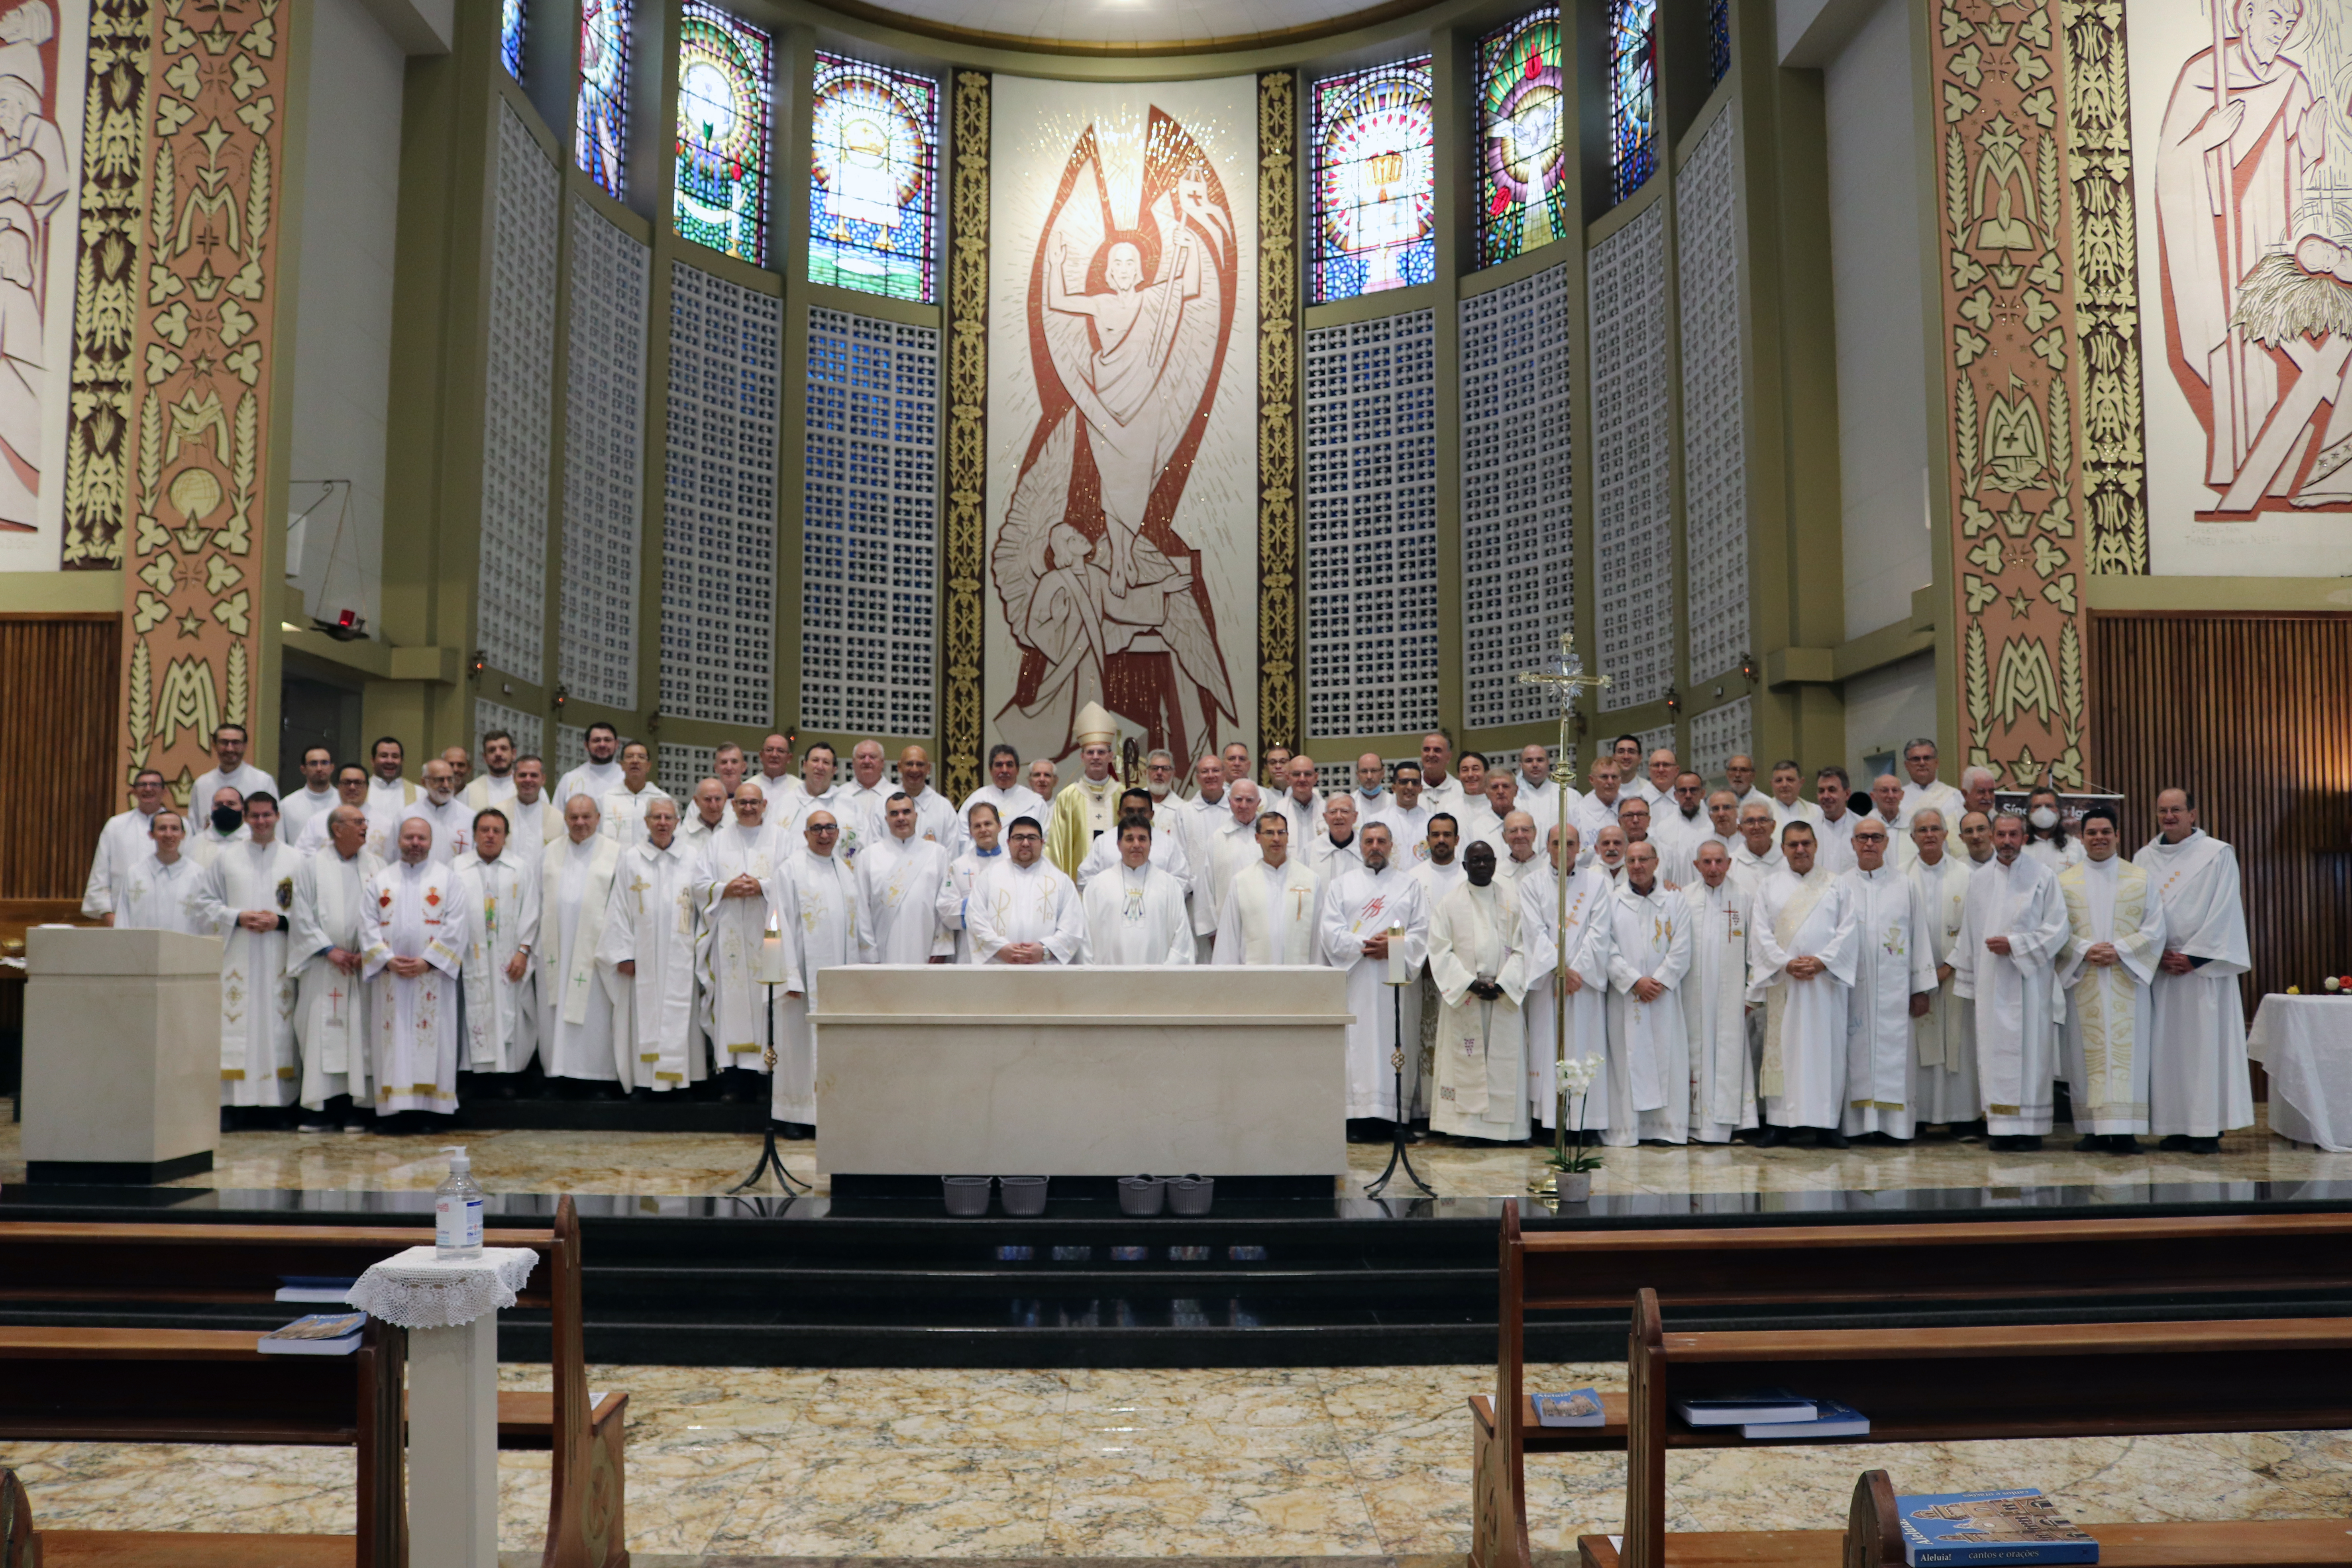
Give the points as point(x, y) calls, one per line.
point(1956, 1530)
point(1577, 1407)
point(1831, 1418)
point(1744, 1405)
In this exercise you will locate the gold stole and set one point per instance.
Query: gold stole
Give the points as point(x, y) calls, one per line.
point(2107, 1000)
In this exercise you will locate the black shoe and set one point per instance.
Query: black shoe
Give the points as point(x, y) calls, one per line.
point(1892, 1142)
point(795, 1131)
point(2123, 1143)
point(1831, 1138)
point(2203, 1146)
point(1768, 1137)
point(2001, 1144)
point(1968, 1131)
point(2175, 1143)
point(641, 1095)
point(2026, 1144)
point(2091, 1143)
point(229, 1121)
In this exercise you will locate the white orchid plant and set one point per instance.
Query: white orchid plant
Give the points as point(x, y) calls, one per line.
point(1575, 1077)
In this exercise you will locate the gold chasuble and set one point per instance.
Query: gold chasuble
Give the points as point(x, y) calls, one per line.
point(1086, 807)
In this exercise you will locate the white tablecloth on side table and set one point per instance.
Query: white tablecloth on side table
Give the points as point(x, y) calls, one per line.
point(2305, 1043)
point(450, 1309)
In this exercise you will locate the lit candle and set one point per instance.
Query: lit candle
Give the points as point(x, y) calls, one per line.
point(1397, 976)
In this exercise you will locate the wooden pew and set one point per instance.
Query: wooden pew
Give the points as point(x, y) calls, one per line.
point(1956, 1384)
point(46, 1266)
point(2140, 1260)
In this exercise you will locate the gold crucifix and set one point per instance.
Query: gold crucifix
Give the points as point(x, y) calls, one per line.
point(1567, 677)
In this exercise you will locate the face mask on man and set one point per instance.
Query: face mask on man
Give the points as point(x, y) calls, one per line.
point(2043, 818)
point(226, 818)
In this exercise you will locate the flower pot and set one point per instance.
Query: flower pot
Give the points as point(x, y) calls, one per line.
point(1190, 1194)
point(1022, 1195)
point(1142, 1194)
point(965, 1195)
point(1575, 1188)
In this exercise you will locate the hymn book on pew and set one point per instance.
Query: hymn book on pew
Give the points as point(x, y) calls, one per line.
point(1577, 1407)
point(317, 1334)
point(1963, 1529)
point(1744, 1407)
point(314, 1287)
point(1831, 1418)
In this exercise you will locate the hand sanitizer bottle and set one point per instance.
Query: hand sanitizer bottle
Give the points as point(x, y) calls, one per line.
point(457, 1210)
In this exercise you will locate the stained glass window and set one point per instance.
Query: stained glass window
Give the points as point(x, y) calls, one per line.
point(1633, 93)
point(1718, 39)
point(512, 16)
point(601, 143)
point(723, 92)
point(1523, 141)
point(1372, 157)
point(872, 179)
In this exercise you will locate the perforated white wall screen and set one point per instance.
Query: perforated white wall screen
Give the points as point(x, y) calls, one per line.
point(1634, 520)
point(604, 461)
point(526, 728)
point(1718, 734)
point(869, 557)
point(1715, 471)
point(718, 505)
point(571, 752)
point(1371, 526)
point(1517, 500)
point(518, 411)
point(678, 769)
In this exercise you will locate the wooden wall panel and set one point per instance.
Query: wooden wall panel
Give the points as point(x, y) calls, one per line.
point(2254, 714)
point(60, 678)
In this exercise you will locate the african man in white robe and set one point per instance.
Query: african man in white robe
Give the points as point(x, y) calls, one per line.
point(414, 916)
point(1478, 960)
point(2013, 900)
point(1649, 1044)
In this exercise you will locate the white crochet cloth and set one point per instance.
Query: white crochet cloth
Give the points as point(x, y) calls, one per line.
point(420, 1289)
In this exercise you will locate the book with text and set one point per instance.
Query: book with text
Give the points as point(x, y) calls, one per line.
point(1961, 1530)
point(320, 1333)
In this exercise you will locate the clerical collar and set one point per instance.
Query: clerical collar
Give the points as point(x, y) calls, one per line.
point(1339, 843)
point(987, 854)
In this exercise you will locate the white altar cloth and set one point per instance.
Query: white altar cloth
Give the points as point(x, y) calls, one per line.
point(2305, 1043)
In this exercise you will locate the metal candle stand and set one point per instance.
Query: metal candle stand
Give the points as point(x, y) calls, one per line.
point(1398, 1154)
point(770, 1160)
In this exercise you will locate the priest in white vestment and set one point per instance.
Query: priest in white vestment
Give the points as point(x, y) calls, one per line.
point(1894, 978)
point(1755, 856)
point(388, 792)
point(1788, 804)
point(352, 790)
point(1649, 1042)
point(1340, 848)
point(649, 944)
point(247, 897)
point(937, 820)
point(1944, 1089)
point(1271, 907)
point(1801, 963)
point(1407, 815)
point(983, 847)
point(501, 985)
point(1166, 845)
point(326, 935)
point(2199, 1086)
point(1232, 849)
point(900, 878)
point(858, 801)
point(1006, 793)
point(1365, 910)
point(2046, 838)
point(1740, 773)
point(1135, 911)
point(2115, 942)
point(1576, 979)
point(451, 819)
point(2011, 934)
point(1022, 910)
point(1478, 961)
point(818, 894)
point(231, 770)
point(123, 843)
point(737, 971)
point(314, 799)
point(1922, 789)
point(495, 784)
point(153, 892)
point(599, 776)
point(707, 811)
point(1717, 909)
point(222, 826)
point(413, 928)
point(622, 810)
point(575, 998)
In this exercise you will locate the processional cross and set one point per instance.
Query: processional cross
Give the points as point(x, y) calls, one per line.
point(1566, 678)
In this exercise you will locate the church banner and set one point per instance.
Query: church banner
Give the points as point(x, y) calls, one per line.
point(2241, 170)
point(1123, 485)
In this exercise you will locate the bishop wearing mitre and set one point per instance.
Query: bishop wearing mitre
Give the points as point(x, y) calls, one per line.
point(1135, 911)
point(1271, 907)
point(1088, 806)
point(648, 943)
point(818, 895)
point(1573, 976)
point(1023, 909)
point(734, 888)
point(331, 1009)
point(501, 886)
point(1478, 960)
point(1372, 924)
point(414, 924)
point(246, 895)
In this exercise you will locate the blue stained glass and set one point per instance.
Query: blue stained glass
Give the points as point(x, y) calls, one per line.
point(1373, 160)
point(873, 179)
point(1633, 93)
point(1718, 39)
point(513, 16)
point(601, 135)
point(724, 89)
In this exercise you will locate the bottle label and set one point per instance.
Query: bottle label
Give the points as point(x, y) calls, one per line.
point(457, 1222)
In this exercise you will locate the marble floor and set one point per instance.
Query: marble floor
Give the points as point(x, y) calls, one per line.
point(694, 1164)
point(1364, 1462)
